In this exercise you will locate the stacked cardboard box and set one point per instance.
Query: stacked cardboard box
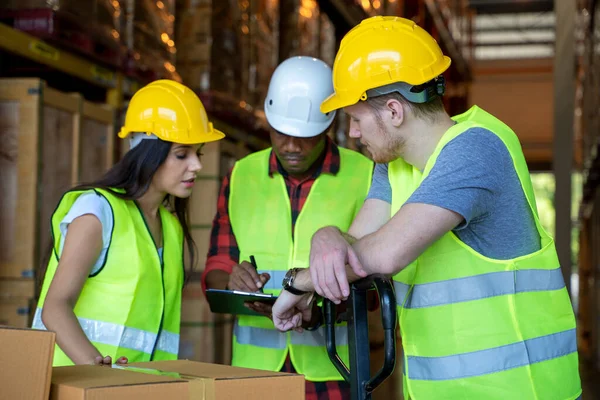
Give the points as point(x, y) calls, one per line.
point(204, 336)
point(203, 202)
point(149, 37)
point(306, 31)
point(27, 356)
point(45, 152)
point(228, 47)
point(16, 302)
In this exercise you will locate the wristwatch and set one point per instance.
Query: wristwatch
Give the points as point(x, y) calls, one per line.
point(288, 282)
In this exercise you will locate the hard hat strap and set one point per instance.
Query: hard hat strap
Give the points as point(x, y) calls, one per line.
point(414, 94)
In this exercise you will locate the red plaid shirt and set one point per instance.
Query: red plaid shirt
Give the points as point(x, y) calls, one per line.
point(224, 253)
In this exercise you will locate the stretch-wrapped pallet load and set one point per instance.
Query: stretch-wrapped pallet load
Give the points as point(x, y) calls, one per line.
point(229, 47)
point(264, 39)
point(194, 43)
point(150, 38)
point(327, 40)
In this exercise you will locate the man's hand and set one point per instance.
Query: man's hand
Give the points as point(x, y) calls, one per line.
point(261, 308)
point(267, 311)
point(329, 254)
point(290, 310)
point(245, 278)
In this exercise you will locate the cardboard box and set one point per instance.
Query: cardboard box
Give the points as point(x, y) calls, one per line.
point(26, 359)
point(15, 312)
point(90, 382)
point(27, 374)
point(195, 53)
point(32, 177)
point(203, 203)
point(173, 380)
point(196, 76)
point(201, 235)
point(203, 335)
point(11, 288)
point(16, 302)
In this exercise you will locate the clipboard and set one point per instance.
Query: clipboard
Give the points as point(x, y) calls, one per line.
point(232, 301)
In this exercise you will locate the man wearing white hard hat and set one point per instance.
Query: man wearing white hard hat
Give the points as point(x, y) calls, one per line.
point(269, 206)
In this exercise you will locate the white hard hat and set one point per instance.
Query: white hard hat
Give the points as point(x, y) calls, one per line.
point(297, 88)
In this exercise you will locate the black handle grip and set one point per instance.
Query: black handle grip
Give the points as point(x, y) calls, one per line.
point(387, 301)
point(330, 316)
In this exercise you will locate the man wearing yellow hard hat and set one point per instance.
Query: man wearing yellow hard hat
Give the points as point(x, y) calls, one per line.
point(482, 305)
point(112, 287)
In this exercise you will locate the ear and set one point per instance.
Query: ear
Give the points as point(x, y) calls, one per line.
point(396, 110)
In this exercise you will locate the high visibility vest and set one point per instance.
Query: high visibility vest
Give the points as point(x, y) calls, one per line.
point(478, 328)
point(260, 214)
point(132, 306)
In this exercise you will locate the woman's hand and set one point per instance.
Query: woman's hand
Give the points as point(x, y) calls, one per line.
point(107, 361)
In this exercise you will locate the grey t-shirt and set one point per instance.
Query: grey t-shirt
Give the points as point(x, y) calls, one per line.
point(474, 176)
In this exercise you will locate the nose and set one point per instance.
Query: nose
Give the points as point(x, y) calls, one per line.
point(354, 130)
point(195, 164)
point(292, 145)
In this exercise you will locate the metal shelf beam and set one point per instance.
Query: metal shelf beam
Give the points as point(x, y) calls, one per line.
point(37, 50)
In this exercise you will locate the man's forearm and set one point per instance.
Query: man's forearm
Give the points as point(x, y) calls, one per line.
point(303, 280)
point(217, 279)
point(304, 283)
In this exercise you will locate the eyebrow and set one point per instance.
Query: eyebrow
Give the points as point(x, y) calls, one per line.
point(181, 146)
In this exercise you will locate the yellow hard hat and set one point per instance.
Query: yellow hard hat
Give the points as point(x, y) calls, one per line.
point(381, 51)
point(170, 111)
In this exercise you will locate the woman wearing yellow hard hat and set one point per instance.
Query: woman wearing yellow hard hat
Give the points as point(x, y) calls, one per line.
point(451, 216)
point(112, 287)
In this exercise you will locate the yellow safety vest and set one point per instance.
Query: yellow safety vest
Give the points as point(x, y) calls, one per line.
point(132, 306)
point(478, 328)
point(260, 214)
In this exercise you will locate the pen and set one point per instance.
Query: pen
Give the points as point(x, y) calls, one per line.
point(253, 262)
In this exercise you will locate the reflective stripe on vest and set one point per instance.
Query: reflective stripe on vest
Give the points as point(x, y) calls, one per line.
point(152, 306)
point(276, 278)
point(496, 359)
point(478, 287)
point(273, 339)
point(121, 336)
point(474, 327)
point(266, 233)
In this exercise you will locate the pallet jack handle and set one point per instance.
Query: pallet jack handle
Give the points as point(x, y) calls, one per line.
point(359, 375)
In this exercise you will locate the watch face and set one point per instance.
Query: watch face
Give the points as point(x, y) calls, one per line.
point(286, 279)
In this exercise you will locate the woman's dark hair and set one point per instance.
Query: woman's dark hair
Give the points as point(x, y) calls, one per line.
point(133, 175)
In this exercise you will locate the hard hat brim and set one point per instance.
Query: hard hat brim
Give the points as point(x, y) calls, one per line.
point(298, 129)
point(206, 138)
point(336, 102)
point(213, 136)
